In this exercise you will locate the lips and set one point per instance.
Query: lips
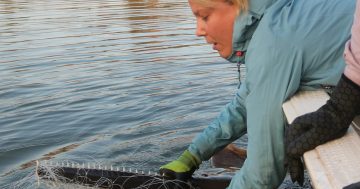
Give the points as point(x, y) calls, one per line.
point(215, 46)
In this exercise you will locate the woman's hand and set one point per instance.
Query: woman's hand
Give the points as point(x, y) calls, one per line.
point(330, 122)
point(182, 168)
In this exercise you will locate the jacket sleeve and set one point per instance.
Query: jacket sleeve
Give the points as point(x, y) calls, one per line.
point(352, 50)
point(227, 127)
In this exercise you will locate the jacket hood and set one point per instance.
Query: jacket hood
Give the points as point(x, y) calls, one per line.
point(245, 25)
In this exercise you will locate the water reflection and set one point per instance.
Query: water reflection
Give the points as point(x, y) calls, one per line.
point(130, 73)
point(135, 4)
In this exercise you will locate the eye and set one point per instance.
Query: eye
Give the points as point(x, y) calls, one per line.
point(205, 18)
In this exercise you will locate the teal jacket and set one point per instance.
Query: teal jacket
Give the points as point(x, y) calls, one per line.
point(290, 45)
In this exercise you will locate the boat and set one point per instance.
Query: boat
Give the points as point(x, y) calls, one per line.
point(334, 164)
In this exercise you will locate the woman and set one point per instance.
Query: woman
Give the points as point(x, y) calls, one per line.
point(286, 45)
point(333, 119)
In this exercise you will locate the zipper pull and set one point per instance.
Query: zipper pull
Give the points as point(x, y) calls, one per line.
point(239, 54)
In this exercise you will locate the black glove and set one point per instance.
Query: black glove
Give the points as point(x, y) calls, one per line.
point(296, 169)
point(329, 122)
point(353, 186)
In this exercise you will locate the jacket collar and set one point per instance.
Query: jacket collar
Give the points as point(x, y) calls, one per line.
point(245, 26)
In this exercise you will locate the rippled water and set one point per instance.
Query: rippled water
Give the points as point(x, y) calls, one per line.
point(111, 82)
point(122, 82)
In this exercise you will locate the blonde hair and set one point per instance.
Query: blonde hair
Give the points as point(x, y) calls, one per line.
point(243, 5)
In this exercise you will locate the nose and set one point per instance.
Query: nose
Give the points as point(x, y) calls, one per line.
point(200, 28)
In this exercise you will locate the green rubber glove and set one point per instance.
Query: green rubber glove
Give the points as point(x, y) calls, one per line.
point(182, 168)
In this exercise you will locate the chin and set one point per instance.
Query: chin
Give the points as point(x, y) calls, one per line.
point(224, 55)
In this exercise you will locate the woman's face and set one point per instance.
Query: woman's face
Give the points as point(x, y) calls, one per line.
point(215, 24)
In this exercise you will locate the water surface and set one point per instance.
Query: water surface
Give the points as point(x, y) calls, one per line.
point(116, 82)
